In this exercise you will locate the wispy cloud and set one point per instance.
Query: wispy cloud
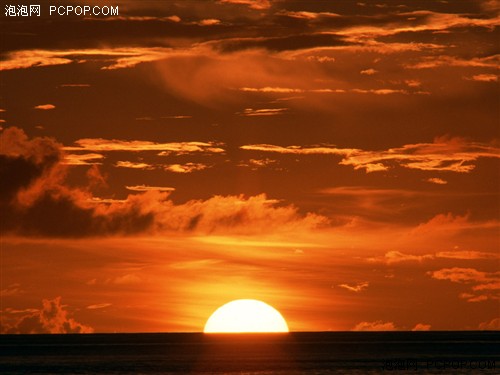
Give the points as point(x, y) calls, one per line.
point(252, 4)
point(104, 145)
point(445, 154)
point(83, 159)
point(149, 188)
point(262, 112)
point(355, 288)
point(429, 62)
point(118, 57)
point(98, 306)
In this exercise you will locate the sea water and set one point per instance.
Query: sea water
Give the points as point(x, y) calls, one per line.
point(257, 354)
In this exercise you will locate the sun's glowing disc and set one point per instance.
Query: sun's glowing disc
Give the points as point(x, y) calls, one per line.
point(245, 315)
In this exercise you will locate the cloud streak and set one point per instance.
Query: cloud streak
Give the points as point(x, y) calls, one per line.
point(444, 154)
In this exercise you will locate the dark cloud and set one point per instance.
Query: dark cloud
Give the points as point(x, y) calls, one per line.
point(53, 317)
point(292, 42)
point(22, 160)
point(40, 203)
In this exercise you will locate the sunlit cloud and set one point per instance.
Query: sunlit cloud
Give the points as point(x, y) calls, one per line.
point(493, 325)
point(429, 62)
point(306, 15)
point(483, 78)
point(355, 288)
point(177, 117)
point(423, 20)
point(257, 163)
point(208, 22)
point(119, 57)
point(262, 112)
point(467, 255)
point(394, 257)
point(378, 325)
point(421, 327)
point(53, 317)
point(148, 188)
point(185, 168)
point(98, 306)
point(252, 4)
point(485, 285)
point(45, 106)
point(133, 165)
point(369, 72)
point(445, 154)
point(83, 159)
point(104, 145)
point(437, 181)
point(280, 90)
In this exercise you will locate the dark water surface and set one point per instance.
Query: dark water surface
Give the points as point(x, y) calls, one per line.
point(259, 354)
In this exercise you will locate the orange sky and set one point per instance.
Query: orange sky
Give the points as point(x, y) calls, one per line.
point(337, 160)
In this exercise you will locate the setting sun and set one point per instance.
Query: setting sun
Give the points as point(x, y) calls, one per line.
point(246, 315)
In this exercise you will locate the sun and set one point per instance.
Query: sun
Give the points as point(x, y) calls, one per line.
point(245, 316)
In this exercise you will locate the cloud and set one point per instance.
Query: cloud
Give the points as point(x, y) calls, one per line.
point(378, 325)
point(83, 159)
point(430, 62)
point(449, 223)
point(105, 145)
point(149, 188)
point(98, 306)
point(11, 290)
point(369, 72)
point(75, 85)
point(282, 90)
point(45, 106)
point(483, 78)
point(492, 325)
point(24, 161)
point(466, 255)
point(392, 257)
point(444, 154)
point(437, 181)
point(421, 327)
point(133, 165)
point(177, 117)
point(257, 163)
point(307, 15)
point(416, 22)
point(355, 288)
point(252, 4)
point(267, 89)
point(208, 22)
point(127, 279)
point(36, 201)
point(117, 58)
point(262, 112)
point(485, 285)
point(53, 317)
point(185, 168)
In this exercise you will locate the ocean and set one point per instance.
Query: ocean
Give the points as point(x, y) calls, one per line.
point(257, 354)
